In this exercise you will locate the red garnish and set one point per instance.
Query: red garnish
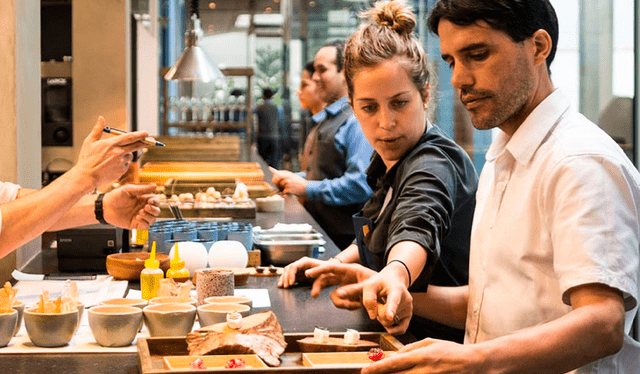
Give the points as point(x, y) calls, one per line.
point(375, 354)
point(197, 364)
point(234, 363)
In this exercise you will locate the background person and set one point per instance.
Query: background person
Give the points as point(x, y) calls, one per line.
point(65, 203)
point(415, 229)
point(333, 186)
point(270, 129)
point(553, 275)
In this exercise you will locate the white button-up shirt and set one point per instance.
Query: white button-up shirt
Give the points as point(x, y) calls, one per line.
point(557, 207)
point(8, 192)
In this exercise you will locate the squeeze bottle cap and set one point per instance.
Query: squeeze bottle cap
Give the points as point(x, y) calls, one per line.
point(151, 262)
point(176, 263)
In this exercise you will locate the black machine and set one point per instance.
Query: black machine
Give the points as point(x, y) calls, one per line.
point(86, 248)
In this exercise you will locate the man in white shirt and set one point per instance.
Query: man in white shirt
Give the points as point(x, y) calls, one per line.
point(554, 262)
point(64, 203)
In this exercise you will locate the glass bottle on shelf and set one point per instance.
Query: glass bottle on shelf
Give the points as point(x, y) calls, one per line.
point(174, 109)
point(196, 109)
point(243, 108)
point(206, 109)
point(217, 105)
point(185, 109)
point(227, 109)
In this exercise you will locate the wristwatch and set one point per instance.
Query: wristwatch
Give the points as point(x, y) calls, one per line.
point(99, 212)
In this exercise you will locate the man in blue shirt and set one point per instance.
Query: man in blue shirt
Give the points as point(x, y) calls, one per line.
point(334, 185)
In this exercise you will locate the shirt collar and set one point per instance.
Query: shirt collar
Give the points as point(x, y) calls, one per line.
point(532, 132)
point(320, 116)
point(337, 106)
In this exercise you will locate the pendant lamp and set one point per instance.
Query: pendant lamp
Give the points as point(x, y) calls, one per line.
point(193, 64)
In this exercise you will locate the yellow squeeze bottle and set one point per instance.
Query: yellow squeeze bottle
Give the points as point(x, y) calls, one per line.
point(151, 275)
point(177, 271)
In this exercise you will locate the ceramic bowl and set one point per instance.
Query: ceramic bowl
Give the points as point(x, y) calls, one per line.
point(8, 323)
point(229, 300)
point(209, 314)
point(173, 300)
point(123, 301)
point(114, 326)
point(128, 265)
point(19, 306)
point(50, 329)
point(169, 319)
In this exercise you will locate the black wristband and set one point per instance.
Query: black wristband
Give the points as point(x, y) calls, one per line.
point(405, 266)
point(99, 212)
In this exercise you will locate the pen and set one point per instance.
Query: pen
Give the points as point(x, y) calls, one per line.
point(149, 140)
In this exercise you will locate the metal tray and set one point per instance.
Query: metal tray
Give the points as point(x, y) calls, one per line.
point(152, 352)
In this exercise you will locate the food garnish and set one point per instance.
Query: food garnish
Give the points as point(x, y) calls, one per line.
point(197, 364)
point(234, 363)
point(375, 354)
point(7, 298)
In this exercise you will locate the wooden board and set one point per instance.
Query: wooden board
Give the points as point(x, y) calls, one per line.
point(211, 362)
point(335, 344)
point(340, 359)
point(152, 352)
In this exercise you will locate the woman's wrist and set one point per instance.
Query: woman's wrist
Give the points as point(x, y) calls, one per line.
point(401, 269)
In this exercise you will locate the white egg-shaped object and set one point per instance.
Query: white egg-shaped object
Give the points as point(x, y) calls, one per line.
point(227, 254)
point(193, 254)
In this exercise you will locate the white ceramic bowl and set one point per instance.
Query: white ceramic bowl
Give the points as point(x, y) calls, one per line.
point(229, 300)
point(8, 323)
point(169, 319)
point(123, 301)
point(173, 300)
point(50, 329)
point(19, 306)
point(209, 314)
point(114, 326)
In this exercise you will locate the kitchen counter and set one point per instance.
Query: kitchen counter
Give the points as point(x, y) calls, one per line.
point(295, 309)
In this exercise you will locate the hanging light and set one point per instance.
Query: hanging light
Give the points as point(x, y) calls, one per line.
point(193, 64)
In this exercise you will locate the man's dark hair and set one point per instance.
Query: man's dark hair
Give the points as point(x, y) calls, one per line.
point(339, 46)
point(310, 68)
point(267, 93)
point(517, 18)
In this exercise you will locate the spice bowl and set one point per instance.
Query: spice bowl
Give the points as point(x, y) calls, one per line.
point(169, 319)
point(209, 314)
point(173, 300)
point(229, 300)
point(114, 326)
point(8, 323)
point(50, 329)
point(19, 306)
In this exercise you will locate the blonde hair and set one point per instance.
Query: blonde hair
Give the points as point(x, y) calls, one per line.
point(388, 34)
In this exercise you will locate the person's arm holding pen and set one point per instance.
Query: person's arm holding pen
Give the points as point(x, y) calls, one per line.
point(101, 161)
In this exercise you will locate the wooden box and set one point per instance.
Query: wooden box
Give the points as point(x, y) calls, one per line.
point(156, 352)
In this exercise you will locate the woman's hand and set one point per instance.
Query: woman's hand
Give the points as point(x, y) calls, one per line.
point(295, 271)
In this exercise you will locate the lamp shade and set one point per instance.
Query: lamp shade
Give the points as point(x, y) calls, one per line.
point(193, 65)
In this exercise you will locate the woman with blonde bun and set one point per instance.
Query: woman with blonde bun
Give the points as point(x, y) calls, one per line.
point(415, 229)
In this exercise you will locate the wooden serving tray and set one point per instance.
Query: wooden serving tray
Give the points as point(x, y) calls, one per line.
point(153, 351)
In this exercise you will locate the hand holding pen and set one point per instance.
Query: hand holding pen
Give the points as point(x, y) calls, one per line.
point(148, 140)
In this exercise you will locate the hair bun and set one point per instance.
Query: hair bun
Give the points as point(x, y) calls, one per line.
point(396, 15)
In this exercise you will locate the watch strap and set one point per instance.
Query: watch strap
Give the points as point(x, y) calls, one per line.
point(99, 211)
